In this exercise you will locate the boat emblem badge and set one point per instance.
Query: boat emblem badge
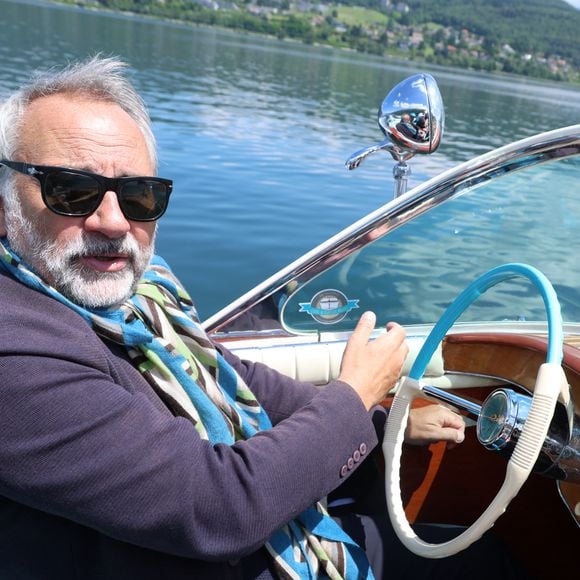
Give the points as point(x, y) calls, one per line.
point(328, 306)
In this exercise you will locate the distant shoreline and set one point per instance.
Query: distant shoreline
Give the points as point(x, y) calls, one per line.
point(389, 57)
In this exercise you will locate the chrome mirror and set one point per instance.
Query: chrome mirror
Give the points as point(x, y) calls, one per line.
point(412, 119)
point(412, 114)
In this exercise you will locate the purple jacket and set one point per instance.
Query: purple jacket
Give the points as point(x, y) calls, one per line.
point(99, 480)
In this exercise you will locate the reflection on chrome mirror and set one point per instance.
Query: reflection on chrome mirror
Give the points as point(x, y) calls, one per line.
point(412, 114)
point(412, 118)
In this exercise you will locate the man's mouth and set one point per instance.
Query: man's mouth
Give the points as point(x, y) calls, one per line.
point(105, 262)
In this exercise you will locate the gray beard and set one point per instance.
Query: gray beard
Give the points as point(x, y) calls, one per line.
point(62, 268)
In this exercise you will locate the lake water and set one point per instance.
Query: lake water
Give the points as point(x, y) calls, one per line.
point(255, 131)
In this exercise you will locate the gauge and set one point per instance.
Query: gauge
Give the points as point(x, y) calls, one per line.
point(493, 420)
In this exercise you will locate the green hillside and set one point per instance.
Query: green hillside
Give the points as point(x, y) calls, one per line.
point(551, 27)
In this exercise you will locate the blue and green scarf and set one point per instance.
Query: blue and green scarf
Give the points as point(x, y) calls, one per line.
point(165, 340)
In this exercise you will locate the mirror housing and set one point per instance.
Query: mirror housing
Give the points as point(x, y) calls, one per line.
point(412, 115)
point(412, 119)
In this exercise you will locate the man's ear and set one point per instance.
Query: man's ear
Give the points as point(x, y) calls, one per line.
point(2, 218)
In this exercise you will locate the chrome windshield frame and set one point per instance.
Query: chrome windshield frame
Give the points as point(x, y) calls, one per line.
point(560, 143)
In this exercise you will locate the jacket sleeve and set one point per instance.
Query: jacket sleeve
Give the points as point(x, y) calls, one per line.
point(78, 442)
point(281, 396)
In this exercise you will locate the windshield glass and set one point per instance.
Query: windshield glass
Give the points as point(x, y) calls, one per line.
point(411, 275)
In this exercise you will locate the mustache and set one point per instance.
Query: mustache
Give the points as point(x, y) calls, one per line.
point(90, 245)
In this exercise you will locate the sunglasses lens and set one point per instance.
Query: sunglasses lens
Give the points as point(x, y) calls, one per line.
point(70, 193)
point(144, 199)
point(75, 194)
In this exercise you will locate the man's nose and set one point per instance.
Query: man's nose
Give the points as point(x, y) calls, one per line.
point(108, 219)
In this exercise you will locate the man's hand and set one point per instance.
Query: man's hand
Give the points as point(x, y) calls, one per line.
point(434, 423)
point(371, 368)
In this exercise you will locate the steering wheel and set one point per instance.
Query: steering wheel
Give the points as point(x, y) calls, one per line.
point(550, 382)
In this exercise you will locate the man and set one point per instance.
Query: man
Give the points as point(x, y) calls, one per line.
point(407, 128)
point(131, 445)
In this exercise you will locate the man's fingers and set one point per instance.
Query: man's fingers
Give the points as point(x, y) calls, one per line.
point(364, 329)
point(395, 335)
point(450, 418)
point(435, 423)
point(452, 435)
point(371, 367)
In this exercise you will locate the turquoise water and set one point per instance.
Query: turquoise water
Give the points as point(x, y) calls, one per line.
point(254, 132)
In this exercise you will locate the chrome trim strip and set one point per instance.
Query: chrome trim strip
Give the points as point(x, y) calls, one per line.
point(446, 397)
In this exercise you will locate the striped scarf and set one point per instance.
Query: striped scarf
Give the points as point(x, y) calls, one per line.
point(165, 340)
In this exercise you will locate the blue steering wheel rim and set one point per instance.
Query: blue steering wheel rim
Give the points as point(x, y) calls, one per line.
point(475, 290)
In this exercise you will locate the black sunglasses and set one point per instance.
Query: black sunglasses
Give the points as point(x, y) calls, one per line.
point(72, 192)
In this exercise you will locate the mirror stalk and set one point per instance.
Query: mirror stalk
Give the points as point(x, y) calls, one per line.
point(401, 172)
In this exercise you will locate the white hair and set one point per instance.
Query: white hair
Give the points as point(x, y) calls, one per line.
point(98, 77)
